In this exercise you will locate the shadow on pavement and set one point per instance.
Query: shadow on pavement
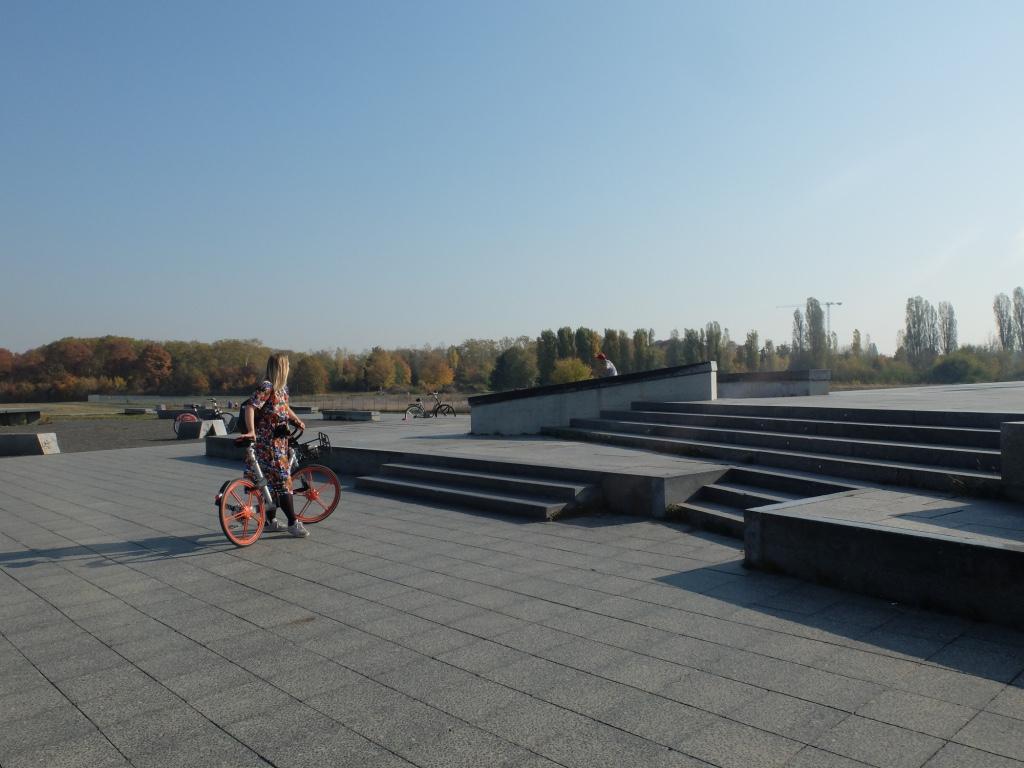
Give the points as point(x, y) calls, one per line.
point(120, 552)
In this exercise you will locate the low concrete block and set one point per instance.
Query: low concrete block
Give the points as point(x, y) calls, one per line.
point(138, 411)
point(343, 415)
point(29, 444)
point(12, 416)
point(304, 409)
point(193, 430)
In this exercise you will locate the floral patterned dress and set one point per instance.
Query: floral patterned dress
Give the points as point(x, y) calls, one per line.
point(271, 411)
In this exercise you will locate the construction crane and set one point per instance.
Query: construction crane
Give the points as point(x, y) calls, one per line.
point(828, 312)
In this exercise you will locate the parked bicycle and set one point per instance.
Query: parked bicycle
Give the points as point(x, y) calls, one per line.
point(242, 504)
point(212, 411)
point(417, 411)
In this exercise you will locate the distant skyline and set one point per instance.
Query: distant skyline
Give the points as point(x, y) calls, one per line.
point(399, 174)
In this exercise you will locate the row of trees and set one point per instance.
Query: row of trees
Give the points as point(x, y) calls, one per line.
point(928, 350)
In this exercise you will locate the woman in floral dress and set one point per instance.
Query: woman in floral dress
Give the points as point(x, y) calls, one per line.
point(267, 415)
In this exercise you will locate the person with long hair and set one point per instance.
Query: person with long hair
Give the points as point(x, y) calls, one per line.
point(267, 415)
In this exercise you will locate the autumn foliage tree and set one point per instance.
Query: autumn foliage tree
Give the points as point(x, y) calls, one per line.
point(435, 373)
point(309, 376)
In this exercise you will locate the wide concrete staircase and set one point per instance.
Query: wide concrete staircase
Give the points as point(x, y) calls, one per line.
point(956, 452)
point(537, 493)
point(720, 506)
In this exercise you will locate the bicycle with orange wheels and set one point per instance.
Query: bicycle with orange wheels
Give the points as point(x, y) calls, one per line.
point(242, 504)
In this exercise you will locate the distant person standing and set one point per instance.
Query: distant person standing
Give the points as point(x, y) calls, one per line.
point(603, 367)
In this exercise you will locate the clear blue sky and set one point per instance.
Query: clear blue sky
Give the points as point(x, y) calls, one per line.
point(401, 173)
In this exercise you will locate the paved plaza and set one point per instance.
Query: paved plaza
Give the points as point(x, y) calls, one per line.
point(404, 634)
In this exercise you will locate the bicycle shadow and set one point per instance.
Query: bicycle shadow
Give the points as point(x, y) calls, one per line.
point(107, 554)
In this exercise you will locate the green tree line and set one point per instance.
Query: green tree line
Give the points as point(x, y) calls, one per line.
point(927, 352)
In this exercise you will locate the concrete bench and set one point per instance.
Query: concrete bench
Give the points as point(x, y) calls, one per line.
point(309, 409)
point(193, 430)
point(12, 416)
point(29, 444)
point(343, 415)
point(138, 411)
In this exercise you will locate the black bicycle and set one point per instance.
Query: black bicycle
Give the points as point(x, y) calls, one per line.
point(417, 411)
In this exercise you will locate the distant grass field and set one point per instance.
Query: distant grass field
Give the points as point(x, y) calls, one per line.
point(55, 411)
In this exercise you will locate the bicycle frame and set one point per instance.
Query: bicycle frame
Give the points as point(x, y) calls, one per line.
point(294, 462)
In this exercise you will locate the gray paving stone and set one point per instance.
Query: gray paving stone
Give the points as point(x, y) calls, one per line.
point(826, 688)
point(380, 659)
point(58, 724)
point(959, 756)
point(994, 733)
point(878, 743)
point(383, 715)
point(533, 638)
point(437, 641)
point(643, 672)
point(586, 693)
point(954, 687)
point(654, 718)
point(91, 750)
point(982, 658)
point(1009, 702)
point(595, 745)
point(530, 721)
point(303, 678)
point(30, 703)
point(532, 675)
point(787, 716)
point(710, 692)
point(917, 713)
point(811, 757)
point(862, 665)
point(464, 747)
point(482, 656)
point(733, 745)
point(299, 736)
point(450, 689)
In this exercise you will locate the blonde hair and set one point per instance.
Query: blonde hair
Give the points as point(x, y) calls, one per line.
point(277, 370)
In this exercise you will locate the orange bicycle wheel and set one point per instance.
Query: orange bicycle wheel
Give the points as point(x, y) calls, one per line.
point(184, 418)
point(242, 512)
point(317, 492)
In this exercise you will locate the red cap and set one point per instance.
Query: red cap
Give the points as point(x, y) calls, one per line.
point(600, 356)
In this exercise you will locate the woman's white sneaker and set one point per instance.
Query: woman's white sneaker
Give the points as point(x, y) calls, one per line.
point(298, 530)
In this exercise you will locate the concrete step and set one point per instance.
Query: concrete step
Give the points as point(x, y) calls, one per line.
point(709, 516)
point(957, 481)
point(975, 459)
point(799, 485)
point(532, 507)
point(741, 496)
point(859, 430)
point(503, 483)
point(968, 419)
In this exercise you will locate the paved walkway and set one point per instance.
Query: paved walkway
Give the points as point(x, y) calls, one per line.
point(996, 397)
point(404, 634)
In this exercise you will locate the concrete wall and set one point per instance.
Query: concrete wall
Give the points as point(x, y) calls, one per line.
point(526, 411)
point(969, 578)
point(1011, 445)
point(775, 383)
